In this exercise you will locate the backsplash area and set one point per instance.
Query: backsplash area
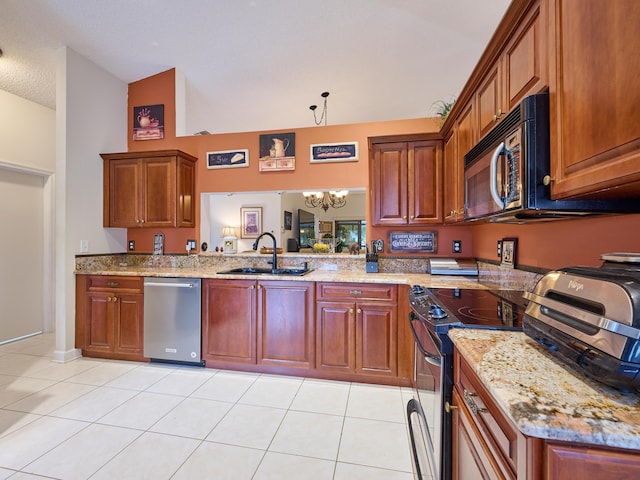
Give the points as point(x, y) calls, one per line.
point(489, 274)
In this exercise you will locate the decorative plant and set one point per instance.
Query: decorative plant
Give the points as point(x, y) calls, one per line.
point(443, 108)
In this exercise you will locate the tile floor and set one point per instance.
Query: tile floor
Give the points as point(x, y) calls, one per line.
point(102, 419)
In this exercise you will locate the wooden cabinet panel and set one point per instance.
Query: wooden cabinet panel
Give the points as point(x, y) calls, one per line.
point(566, 461)
point(525, 59)
point(462, 139)
point(285, 328)
point(109, 316)
point(471, 456)
point(229, 321)
point(406, 182)
point(490, 105)
point(376, 331)
point(159, 191)
point(335, 349)
point(357, 329)
point(424, 195)
point(149, 189)
point(389, 165)
point(595, 99)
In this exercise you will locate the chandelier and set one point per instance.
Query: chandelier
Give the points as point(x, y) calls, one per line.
point(325, 200)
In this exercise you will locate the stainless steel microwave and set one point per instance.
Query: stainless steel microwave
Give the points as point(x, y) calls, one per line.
point(504, 174)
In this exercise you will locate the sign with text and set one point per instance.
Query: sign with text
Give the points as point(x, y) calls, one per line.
point(413, 242)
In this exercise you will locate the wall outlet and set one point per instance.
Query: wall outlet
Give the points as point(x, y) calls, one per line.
point(84, 246)
point(499, 248)
point(192, 244)
point(132, 245)
point(456, 246)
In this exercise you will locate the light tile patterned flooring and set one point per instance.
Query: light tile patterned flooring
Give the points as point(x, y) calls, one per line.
point(103, 419)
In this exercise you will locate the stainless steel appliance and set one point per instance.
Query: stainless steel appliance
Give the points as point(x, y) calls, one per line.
point(589, 318)
point(452, 266)
point(172, 320)
point(433, 312)
point(507, 174)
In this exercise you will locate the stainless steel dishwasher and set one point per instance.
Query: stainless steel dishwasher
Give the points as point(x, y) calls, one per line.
point(172, 320)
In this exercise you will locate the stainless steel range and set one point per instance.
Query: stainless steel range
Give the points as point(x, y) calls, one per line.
point(589, 318)
point(433, 312)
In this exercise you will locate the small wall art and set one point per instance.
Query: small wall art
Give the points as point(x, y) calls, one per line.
point(228, 159)
point(509, 246)
point(250, 221)
point(334, 152)
point(288, 216)
point(413, 242)
point(277, 152)
point(148, 122)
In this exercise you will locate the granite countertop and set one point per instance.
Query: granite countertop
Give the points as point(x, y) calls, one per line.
point(317, 275)
point(545, 399)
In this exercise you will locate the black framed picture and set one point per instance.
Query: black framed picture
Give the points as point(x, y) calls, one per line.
point(288, 216)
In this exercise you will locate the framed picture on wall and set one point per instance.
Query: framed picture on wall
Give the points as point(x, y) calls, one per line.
point(250, 221)
point(148, 122)
point(228, 159)
point(334, 152)
point(277, 152)
point(288, 216)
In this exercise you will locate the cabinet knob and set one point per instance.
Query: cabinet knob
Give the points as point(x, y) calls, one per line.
point(115, 299)
point(495, 118)
point(448, 407)
point(351, 310)
point(404, 217)
point(412, 217)
point(141, 221)
point(359, 310)
point(546, 180)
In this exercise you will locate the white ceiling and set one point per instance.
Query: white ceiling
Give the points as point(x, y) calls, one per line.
point(259, 64)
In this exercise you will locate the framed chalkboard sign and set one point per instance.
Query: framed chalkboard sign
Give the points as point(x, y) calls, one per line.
point(413, 242)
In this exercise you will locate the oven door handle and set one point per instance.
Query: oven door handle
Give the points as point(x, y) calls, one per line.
point(432, 359)
point(493, 181)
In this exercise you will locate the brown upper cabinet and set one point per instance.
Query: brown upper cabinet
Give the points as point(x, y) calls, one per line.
point(149, 189)
point(595, 101)
point(406, 181)
point(584, 52)
point(519, 70)
point(462, 137)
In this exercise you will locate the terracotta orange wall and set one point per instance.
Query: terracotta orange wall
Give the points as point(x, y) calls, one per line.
point(160, 89)
point(544, 245)
point(563, 243)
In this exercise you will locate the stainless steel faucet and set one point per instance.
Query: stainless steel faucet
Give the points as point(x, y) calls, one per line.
point(274, 261)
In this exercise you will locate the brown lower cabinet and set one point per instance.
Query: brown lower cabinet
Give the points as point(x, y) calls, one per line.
point(357, 329)
point(109, 313)
point(487, 445)
point(260, 323)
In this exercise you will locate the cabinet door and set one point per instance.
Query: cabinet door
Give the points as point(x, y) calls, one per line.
point(389, 183)
point(98, 324)
point(525, 59)
point(565, 461)
point(451, 177)
point(471, 457)
point(490, 106)
point(335, 336)
point(285, 324)
point(424, 181)
point(125, 183)
point(186, 193)
point(595, 99)
point(128, 312)
point(376, 339)
point(229, 321)
point(159, 191)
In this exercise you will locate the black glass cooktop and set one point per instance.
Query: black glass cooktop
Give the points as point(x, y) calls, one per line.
point(472, 307)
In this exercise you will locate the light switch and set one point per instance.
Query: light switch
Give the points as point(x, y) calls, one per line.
point(84, 246)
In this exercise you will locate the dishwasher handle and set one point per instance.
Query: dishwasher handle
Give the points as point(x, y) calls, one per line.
point(169, 284)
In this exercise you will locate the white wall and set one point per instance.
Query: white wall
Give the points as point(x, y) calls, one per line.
point(91, 113)
point(27, 163)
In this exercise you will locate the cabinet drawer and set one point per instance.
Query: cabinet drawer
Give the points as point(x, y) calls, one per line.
point(499, 433)
point(356, 291)
point(100, 283)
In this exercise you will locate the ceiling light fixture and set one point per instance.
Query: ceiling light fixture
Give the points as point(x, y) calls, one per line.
point(325, 200)
point(324, 110)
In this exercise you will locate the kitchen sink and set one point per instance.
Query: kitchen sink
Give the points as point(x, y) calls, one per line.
point(266, 271)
